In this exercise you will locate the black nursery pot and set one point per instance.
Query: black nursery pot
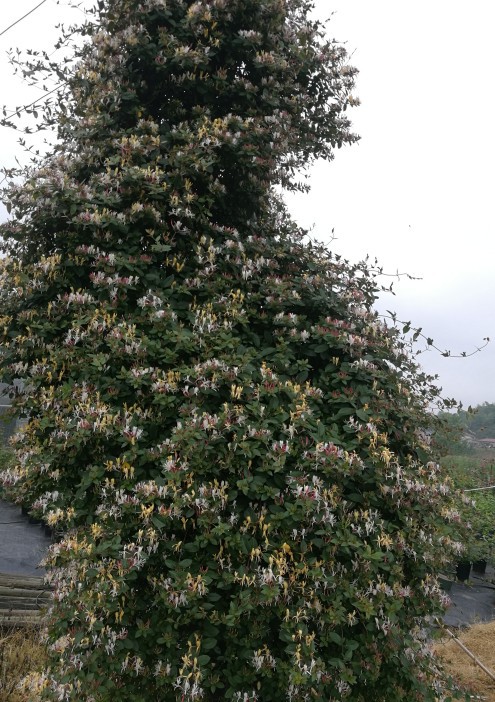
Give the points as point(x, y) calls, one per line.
point(463, 570)
point(445, 583)
point(480, 567)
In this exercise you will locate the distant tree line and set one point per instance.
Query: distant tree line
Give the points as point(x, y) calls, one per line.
point(477, 422)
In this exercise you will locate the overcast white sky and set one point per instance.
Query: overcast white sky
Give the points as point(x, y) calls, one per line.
point(417, 191)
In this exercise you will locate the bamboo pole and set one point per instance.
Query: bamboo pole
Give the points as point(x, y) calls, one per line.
point(40, 593)
point(467, 651)
point(20, 618)
point(489, 487)
point(28, 582)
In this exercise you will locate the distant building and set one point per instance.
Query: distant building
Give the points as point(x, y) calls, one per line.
point(487, 443)
point(471, 440)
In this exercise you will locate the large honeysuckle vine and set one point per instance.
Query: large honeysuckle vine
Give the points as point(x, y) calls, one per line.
point(231, 445)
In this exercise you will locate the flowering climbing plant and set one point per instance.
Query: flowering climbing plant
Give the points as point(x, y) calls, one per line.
point(231, 445)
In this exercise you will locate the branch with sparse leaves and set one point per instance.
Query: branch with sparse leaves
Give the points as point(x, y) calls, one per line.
point(430, 344)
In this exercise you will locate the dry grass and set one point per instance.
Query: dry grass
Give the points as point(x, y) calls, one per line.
point(480, 640)
point(20, 653)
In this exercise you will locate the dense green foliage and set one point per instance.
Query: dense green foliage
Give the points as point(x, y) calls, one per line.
point(470, 473)
point(480, 420)
point(466, 431)
point(6, 461)
point(233, 443)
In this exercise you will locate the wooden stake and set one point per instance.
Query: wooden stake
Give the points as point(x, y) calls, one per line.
point(469, 653)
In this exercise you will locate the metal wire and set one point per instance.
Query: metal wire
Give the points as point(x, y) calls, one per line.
point(21, 18)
